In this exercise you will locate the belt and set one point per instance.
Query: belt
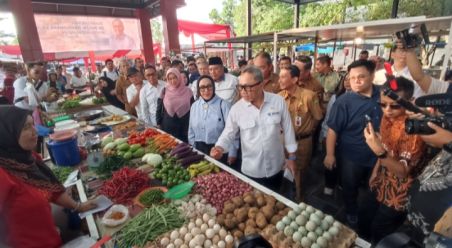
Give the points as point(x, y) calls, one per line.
point(302, 136)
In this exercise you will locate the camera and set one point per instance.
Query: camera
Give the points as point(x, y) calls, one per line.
point(411, 38)
point(442, 102)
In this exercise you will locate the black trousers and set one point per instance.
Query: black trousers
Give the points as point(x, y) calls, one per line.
point(386, 221)
point(274, 182)
point(205, 148)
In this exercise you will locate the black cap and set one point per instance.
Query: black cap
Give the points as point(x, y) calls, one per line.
point(215, 61)
point(132, 71)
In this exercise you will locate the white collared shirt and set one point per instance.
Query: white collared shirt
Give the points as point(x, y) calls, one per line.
point(27, 91)
point(226, 88)
point(418, 92)
point(260, 134)
point(78, 81)
point(148, 101)
point(131, 92)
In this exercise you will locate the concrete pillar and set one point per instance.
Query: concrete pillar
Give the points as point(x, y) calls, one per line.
point(27, 32)
point(170, 27)
point(146, 36)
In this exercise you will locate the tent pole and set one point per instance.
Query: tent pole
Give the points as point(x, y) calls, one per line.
point(275, 55)
point(315, 48)
point(334, 49)
point(447, 54)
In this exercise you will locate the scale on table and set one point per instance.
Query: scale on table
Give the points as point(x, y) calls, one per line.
point(95, 156)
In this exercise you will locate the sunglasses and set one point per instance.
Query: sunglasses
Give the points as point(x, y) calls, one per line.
point(391, 106)
point(247, 88)
point(207, 87)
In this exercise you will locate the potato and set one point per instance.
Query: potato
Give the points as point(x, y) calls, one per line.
point(269, 230)
point(250, 200)
point(242, 214)
point(237, 234)
point(242, 226)
point(261, 221)
point(250, 230)
point(287, 242)
point(260, 201)
point(252, 212)
point(251, 223)
point(258, 194)
point(229, 216)
point(280, 205)
point(268, 212)
point(275, 219)
point(220, 219)
point(230, 223)
point(228, 207)
point(238, 201)
point(270, 200)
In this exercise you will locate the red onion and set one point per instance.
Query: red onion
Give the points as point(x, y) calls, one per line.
point(219, 188)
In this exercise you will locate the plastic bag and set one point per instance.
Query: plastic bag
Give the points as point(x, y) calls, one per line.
point(106, 220)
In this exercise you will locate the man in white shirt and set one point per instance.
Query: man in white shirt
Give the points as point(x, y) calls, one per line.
point(400, 69)
point(110, 71)
point(133, 91)
point(29, 91)
point(78, 80)
point(225, 83)
point(259, 117)
point(149, 94)
point(380, 72)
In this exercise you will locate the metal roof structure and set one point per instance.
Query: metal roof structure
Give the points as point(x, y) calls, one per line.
point(112, 8)
point(264, 37)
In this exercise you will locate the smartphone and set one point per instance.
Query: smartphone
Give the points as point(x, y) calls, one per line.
point(368, 119)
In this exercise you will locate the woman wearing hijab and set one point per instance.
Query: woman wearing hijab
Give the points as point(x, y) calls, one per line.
point(106, 87)
point(27, 186)
point(173, 106)
point(208, 117)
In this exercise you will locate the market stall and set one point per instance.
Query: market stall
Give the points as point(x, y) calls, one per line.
point(155, 191)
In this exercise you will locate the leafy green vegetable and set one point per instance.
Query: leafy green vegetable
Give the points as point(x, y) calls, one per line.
point(109, 165)
point(68, 104)
point(62, 173)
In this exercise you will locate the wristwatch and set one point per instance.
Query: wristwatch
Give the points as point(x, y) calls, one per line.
point(292, 157)
point(448, 147)
point(382, 155)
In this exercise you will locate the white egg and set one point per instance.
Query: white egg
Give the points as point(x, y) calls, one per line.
point(294, 225)
point(204, 227)
point(211, 222)
point(315, 245)
point(297, 209)
point(221, 244)
point(223, 233)
point(165, 241)
point(320, 214)
point(302, 205)
point(286, 220)
point(280, 226)
point(319, 231)
point(174, 235)
point(205, 217)
point(170, 246)
point(325, 225)
point(305, 242)
point(183, 230)
point(192, 243)
point(310, 209)
point(188, 237)
point(303, 231)
point(207, 243)
point(229, 239)
point(301, 220)
point(311, 226)
point(198, 246)
point(337, 224)
point(198, 222)
point(178, 242)
point(288, 231)
point(329, 219)
point(210, 233)
point(322, 242)
point(327, 236)
point(315, 219)
point(215, 239)
point(195, 231)
point(312, 236)
point(292, 214)
point(191, 225)
point(296, 236)
point(184, 246)
point(334, 231)
point(216, 228)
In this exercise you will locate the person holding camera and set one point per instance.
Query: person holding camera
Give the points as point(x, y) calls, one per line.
point(399, 162)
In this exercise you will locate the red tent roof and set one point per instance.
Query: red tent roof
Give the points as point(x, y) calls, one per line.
point(11, 50)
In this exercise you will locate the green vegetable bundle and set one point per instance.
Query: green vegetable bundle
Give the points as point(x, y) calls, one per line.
point(149, 225)
point(68, 104)
point(109, 165)
point(62, 173)
point(151, 197)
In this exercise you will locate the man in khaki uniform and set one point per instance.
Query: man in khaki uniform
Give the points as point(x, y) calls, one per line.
point(305, 113)
point(121, 86)
point(328, 78)
point(306, 80)
point(263, 61)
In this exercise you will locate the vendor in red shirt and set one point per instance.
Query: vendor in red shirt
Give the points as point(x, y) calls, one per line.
point(27, 186)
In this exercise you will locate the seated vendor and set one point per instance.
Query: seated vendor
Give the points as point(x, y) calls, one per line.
point(27, 186)
point(78, 81)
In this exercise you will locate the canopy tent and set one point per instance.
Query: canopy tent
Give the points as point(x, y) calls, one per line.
point(13, 50)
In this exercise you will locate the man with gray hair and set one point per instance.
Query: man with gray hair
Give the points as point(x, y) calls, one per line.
point(258, 117)
point(263, 61)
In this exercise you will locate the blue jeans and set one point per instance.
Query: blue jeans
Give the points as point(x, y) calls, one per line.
point(352, 176)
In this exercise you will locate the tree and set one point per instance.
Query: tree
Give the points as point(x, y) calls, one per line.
point(156, 28)
point(227, 13)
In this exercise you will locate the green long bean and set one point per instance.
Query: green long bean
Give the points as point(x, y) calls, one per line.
point(149, 225)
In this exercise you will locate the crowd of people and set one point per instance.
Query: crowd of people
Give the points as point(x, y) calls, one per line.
point(268, 125)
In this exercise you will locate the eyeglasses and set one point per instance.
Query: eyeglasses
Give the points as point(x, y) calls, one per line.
point(207, 87)
point(391, 106)
point(247, 88)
